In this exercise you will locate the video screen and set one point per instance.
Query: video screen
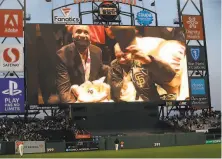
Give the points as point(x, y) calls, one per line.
point(97, 64)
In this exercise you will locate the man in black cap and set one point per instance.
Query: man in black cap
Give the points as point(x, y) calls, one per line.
point(116, 144)
point(138, 66)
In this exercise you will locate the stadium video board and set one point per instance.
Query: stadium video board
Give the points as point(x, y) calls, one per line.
point(97, 64)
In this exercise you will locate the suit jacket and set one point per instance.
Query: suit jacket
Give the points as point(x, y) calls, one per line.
point(70, 71)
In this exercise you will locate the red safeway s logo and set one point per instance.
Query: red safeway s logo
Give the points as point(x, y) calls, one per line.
point(11, 23)
point(11, 55)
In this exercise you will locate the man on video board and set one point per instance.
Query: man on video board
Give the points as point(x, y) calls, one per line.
point(77, 63)
point(141, 63)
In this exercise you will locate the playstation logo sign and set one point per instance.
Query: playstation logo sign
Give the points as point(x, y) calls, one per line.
point(12, 95)
point(13, 89)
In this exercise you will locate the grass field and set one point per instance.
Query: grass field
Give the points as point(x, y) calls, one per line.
point(198, 151)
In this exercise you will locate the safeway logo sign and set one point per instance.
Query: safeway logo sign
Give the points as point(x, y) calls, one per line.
point(11, 58)
point(11, 55)
point(66, 11)
point(11, 23)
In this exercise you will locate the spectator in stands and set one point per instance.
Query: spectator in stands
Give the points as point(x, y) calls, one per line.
point(194, 122)
point(12, 129)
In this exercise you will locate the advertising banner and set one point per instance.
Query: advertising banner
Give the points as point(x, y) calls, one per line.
point(196, 58)
point(213, 141)
point(198, 86)
point(112, 12)
point(81, 146)
point(52, 147)
point(194, 27)
point(199, 92)
point(11, 57)
point(12, 95)
point(144, 18)
point(66, 17)
point(200, 101)
point(36, 107)
point(11, 23)
point(108, 71)
point(31, 147)
point(130, 2)
point(85, 136)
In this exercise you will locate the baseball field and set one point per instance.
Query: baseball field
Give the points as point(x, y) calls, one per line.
point(197, 151)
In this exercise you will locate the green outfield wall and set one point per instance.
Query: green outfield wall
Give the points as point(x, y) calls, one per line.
point(154, 140)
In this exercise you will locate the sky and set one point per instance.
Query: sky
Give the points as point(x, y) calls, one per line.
point(41, 12)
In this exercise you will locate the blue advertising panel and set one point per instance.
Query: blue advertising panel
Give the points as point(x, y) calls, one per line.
point(196, 58)
point(144, 18)
point(199, 92)
point(198, 86)
point(12, 95)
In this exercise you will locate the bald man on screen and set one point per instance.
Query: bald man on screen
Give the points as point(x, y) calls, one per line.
point(77, 63)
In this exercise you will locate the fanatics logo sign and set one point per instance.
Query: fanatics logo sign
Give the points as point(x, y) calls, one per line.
point(11, 23)
point(66, 11)
point(66, 18)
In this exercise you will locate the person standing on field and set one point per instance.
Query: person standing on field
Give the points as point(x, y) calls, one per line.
point(121, 144)
point(116, 144)
point(20, 145)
